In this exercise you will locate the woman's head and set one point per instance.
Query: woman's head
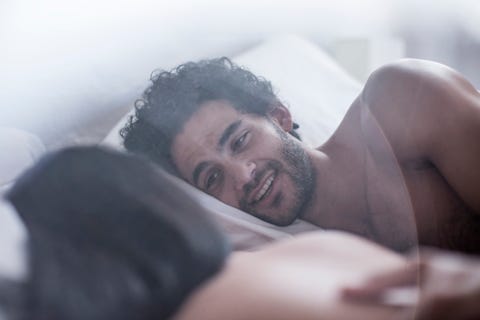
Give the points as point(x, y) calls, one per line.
point(111, 237)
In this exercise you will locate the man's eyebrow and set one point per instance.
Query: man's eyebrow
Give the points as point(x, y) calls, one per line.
point(227, 133)
point(198, 169)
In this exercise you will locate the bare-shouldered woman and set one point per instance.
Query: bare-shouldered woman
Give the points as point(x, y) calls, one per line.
point(109, 236)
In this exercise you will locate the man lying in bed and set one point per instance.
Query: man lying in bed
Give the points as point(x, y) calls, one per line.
point(401, 168)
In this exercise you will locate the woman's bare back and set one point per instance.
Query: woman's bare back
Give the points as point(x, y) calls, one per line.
point(297, 278)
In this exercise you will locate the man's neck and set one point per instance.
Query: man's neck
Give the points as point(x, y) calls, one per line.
point(339, 184)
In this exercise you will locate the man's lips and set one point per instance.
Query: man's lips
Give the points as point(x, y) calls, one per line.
point(263, 188)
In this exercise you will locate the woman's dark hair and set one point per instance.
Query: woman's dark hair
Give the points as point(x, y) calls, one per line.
point(174, 96)
point(111, 237)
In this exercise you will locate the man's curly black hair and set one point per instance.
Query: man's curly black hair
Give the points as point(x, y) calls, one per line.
point(174, 96)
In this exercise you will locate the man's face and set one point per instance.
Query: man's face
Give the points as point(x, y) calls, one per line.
point(246, 161)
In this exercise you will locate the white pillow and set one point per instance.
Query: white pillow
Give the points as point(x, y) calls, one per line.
point(13, 236)
point(20, 149)
point(318, 93)
point(316, 89)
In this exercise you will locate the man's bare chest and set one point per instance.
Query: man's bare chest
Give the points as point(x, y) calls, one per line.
point(443, 219)
point(416, 204)
point(409, 200)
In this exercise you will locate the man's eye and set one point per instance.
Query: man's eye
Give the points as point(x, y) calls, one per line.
point(212, 179)
point(240, 142)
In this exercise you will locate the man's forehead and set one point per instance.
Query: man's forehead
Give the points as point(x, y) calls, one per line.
point(200, 135)
point(208, 122)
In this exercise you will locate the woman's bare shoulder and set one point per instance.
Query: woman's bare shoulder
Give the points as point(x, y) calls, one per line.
point(293, 279)
point(328, 244)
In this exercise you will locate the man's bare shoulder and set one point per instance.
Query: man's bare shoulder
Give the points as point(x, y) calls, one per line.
point(417, 85)
point(415, 101)
point(415, 75)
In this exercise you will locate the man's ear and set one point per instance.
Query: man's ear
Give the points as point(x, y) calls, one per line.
point(281, 115)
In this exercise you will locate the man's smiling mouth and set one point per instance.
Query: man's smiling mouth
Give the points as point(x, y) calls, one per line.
point(265, 189)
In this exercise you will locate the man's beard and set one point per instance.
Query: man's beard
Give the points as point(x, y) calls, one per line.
point(300, 170)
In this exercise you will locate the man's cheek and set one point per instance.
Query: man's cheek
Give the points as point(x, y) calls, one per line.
point(228, 196)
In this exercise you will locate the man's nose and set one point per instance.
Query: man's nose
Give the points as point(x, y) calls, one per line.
point(243, 173)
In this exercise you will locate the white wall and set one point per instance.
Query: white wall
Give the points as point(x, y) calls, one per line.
point(69, 69)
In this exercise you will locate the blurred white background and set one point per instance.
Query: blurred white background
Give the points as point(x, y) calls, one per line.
point(54, 53)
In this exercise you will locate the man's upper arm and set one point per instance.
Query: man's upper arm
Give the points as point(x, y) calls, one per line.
point(430, 112)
